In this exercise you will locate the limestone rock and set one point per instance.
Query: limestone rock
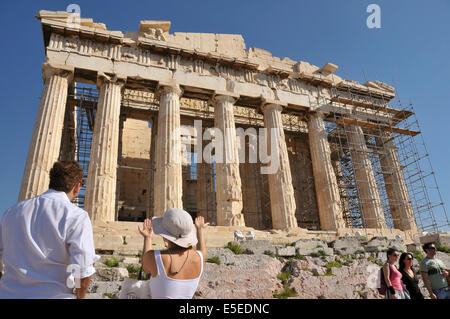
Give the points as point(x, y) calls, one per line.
point(413, 247)
point(246, 276)
point(383, 243)
point(257, 246)
point(347, 246)
point(110, 274)
point(313, 245)
point(437, 238)
point(287, 251)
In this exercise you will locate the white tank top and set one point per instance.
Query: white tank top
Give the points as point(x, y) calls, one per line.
point(164, 287)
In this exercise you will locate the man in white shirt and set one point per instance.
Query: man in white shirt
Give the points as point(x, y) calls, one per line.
point(46, 242)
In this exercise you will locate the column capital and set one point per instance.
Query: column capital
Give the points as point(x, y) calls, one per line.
point(110, 78)
point(315, 114)
point(225, 96)
point(270, 107)
point(168, 87)
point(269, 104)
point(49, 69)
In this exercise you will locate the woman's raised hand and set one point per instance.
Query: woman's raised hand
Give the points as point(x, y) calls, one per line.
point(147, 229)
point(200, 222)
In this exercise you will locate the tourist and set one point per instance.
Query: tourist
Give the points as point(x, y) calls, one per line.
point(46, 242)
point(408, 277)
point(176, 271)
point(434, 274)
point(392, 277)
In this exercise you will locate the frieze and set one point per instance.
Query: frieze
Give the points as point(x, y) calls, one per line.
point(145, 56)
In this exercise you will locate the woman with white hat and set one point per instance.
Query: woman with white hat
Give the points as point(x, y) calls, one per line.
point(175, 272)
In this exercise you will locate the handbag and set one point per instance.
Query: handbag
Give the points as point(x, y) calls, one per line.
point(382, 282)
point(135, 288)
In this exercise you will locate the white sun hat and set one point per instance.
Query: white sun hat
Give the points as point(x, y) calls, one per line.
point(177, 226)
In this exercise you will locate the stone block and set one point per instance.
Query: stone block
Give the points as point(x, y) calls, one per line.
point(110, 274)
point(101, 287)
point(313, 245)
point(287, 251)
point(384, 243)
point(347, 246)
point(257, 246)
point(413, 248)
point(107, 242)
point(131, 260)
point(440, 239)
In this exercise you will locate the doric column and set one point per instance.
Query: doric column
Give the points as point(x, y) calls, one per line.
point(228, 180)
point(69, 135)
point(396, 190)
point(168, 174)
point(205, 191)
point(46, 139)
point(282, 199)
point(327, 190)
point(100, 200)
point(368, 196)
point(150, 211)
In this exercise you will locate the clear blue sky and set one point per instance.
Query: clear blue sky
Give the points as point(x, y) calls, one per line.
point(410, 51)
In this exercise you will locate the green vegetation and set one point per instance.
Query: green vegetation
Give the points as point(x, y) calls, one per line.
point(299, 256)
point(329, 273)
point(270, 253)
point(348, 260)
point(112, 262)
point(332, 264)
point(418, 255)
point(214, 260)
point(133, 271)
point(235, 248)
point(320, 253)
point(360, 251)
point(443, 248)
point(110, 295)
point(286, 293)
point(284, 276)
point(371, 259)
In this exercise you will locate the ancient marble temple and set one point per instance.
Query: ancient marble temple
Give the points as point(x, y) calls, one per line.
point(152, 85)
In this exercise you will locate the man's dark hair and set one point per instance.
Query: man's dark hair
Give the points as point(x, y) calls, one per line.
point(64, 175)
point(427, 246)
point(391, 251)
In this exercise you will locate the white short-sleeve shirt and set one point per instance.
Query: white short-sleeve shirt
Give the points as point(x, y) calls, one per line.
point(42, 241)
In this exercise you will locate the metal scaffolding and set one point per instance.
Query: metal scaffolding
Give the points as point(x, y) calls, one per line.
point(394, 126)
point(85, 100)
point(382, 123)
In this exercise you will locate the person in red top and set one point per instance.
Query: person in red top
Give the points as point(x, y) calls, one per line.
point(393, 278)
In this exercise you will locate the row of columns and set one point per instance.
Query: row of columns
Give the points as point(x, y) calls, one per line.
point(327, 190)
point(100, 199)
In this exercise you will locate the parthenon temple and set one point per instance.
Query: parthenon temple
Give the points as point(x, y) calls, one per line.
point(123, 104)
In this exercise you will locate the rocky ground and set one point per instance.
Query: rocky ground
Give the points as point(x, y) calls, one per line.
point(313, 268)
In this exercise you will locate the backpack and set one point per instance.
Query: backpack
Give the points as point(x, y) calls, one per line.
point(382, 287)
